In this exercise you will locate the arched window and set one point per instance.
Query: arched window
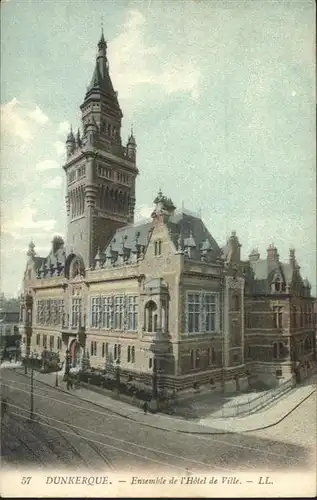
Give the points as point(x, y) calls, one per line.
point(150, 319)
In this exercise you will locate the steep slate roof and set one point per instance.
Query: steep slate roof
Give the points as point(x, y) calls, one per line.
point(180, 225)
point(260, 274)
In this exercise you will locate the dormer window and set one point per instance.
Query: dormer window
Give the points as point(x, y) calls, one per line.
point(278, 286)
point(157, 248)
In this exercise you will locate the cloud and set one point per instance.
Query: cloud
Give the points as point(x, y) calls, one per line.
point(54, 183)
point(59, 147)
point(25, 220)
point(20, 122)
point(38, 116)
point(143, 212)
point(47, 165)
point(63, 128)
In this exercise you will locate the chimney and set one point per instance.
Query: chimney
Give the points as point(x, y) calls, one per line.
point(272, 254)
point(254, 255)
point(292, 259)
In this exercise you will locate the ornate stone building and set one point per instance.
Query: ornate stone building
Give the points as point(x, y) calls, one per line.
point(160, 295)
point(279, 323)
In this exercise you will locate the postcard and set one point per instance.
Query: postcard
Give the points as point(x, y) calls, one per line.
point(158, 311)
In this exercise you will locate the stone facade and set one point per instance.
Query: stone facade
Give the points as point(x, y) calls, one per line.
point(159, 296)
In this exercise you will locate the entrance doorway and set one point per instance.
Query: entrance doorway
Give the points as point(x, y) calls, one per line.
point(75, 353)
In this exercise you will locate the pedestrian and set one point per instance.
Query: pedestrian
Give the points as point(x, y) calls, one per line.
point(145, 407)
point(10, 357)
point(68, 382)
point(71, 382)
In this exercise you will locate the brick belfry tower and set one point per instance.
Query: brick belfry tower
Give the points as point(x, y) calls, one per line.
point(100, 171)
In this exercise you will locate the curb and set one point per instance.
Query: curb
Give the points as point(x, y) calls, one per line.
point(207, 433)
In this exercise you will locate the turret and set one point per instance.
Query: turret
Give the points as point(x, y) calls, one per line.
point(31, 252)
point(131, 147)
point(70, 143)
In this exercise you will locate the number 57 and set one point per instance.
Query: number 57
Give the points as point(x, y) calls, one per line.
point(26, 480)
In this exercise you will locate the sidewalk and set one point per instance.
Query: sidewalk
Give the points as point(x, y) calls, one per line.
point(261, 420)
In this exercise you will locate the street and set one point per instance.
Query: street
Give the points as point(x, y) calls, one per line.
point(66, 432)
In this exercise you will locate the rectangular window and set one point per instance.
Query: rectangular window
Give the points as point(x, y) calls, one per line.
point(129, 354)
point(59, 343)
point(103, 350)
point(210, 312)
point(277, 317)
point(118, 313)
point(76, 306)
point(133, 354)
point(201, 312)
point(107, 312)
point(44, 341)
point(95, 312)
point(132, 313)
point(115, 351)
point(93, 348)
point(51, 342)
point(119, 352)
point(150, 363)
point(38, 339)
point(193, 312)
point(211, 356)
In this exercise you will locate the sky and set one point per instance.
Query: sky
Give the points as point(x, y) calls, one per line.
point(221, 95)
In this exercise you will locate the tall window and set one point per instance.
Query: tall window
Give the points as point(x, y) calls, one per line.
point(95, 312)
point(59, 343)
point(119, 352)
point(118, 313)
point(93, 348)
point(76, 303)
point(103, 349)
point(107, 312)
point(277, 317)
point(210, 311)
point(193, 312)
point(211, 356)
point(151, 316)
point(115, 351)
point(278, 350)
point(201, 312)
point(38, 339)
point(44, 341)
point(301, 317)
point(129, 354)
point(51, 342)
point(133, 354)
point(157, 248)
point(132, 313)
